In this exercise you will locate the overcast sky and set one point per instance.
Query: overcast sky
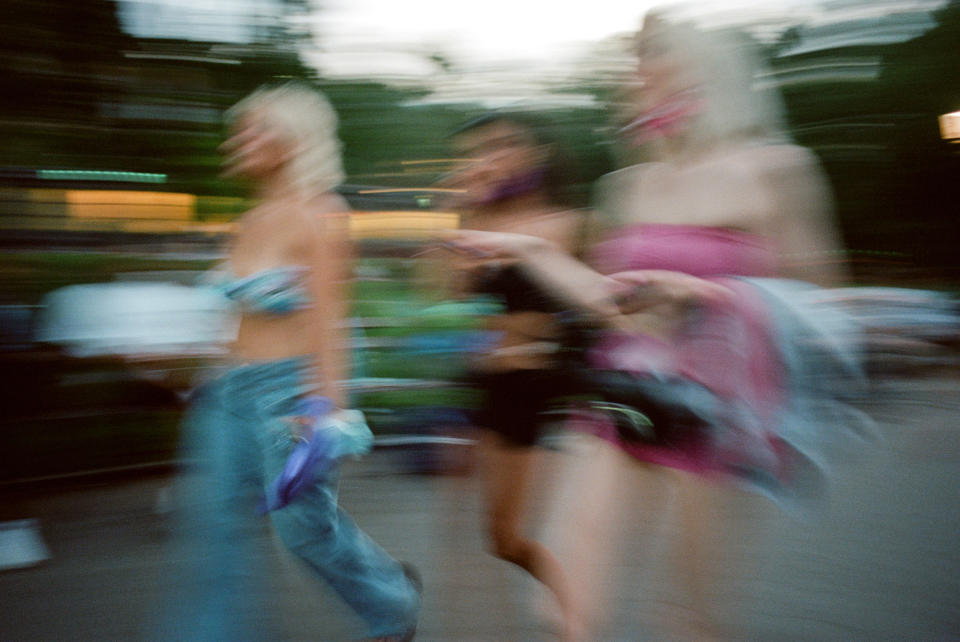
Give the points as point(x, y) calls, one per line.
point(358, 37)
point(473, 31)
point(490, 32)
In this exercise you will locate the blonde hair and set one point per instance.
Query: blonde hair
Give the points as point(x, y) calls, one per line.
point(305, 118)
point(736, 105)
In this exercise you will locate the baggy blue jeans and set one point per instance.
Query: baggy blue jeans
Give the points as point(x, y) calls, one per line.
point(236, 434)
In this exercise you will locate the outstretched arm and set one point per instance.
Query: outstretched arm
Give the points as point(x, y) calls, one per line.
point(609, 299)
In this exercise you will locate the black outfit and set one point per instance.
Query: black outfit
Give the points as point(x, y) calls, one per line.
point(649, 409)
point(513, 402)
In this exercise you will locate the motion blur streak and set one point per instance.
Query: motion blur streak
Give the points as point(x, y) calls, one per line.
point(112, 202)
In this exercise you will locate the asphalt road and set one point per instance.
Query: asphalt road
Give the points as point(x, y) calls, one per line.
point(881, 561)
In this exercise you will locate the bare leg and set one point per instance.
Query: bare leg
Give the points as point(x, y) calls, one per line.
point(610, 516)
point(692, 558)
point(586, 522)
point(715, 556)
point(508, 474)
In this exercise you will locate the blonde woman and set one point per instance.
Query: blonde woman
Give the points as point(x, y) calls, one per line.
point(285, 272)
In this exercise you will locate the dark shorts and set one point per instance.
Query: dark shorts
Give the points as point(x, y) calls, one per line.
point(513, 403)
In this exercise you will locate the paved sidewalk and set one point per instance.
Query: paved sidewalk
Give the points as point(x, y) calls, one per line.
point(881, 563)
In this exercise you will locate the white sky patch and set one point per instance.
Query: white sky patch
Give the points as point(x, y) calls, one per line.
point(492, 30)
point(396, 37)
point(493, 34)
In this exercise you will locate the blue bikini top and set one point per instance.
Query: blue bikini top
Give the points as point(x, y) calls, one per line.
point(279, 290)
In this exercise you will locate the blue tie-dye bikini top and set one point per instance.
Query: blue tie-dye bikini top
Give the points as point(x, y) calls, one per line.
point(279, 290)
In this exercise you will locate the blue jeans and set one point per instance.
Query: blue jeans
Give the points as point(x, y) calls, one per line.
point(236, 434)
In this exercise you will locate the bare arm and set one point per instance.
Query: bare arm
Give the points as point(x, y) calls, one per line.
point(810, 246)
point(634, 301)
point(332, 254)
point(452, 268)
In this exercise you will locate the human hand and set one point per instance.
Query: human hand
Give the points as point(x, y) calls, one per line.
point(310, 411)
point(636, 290)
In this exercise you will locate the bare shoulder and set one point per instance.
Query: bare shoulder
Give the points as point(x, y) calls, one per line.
point(562, 227)
point(322, 214)
point(771, 159)
point(330, 203)
point(625, 177)
point(568, 221)
point(615, 194)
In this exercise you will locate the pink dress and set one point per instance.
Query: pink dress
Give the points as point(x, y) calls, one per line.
point(733, 348)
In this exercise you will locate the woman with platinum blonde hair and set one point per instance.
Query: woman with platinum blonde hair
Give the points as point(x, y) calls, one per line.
point(267, 433)
point(709, 148)
point(709, 84)
point(307, 120)
point(708, 364)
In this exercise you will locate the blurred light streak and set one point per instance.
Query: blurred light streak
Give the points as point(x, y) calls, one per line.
point(180, 57)
point(408, 189)
point(97, 175)
point(950, 126)
point(129, 204)
point(437, 160)
point(401, 224)
point(851, 69)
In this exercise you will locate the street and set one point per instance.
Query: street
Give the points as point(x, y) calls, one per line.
point(880, 562)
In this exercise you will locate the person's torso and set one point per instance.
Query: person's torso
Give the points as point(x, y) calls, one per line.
point(271, 275)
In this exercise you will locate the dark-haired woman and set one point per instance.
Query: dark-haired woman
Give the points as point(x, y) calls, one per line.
point(510, 182)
